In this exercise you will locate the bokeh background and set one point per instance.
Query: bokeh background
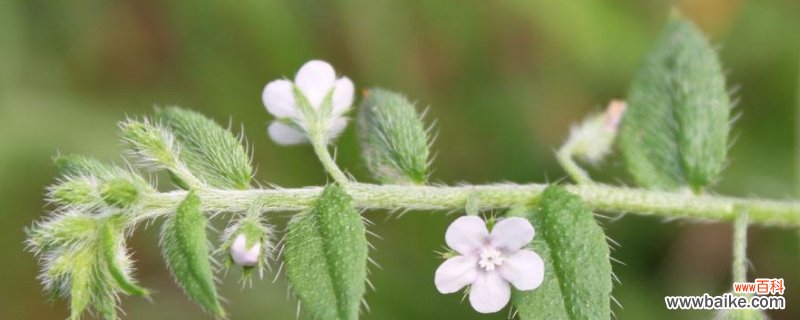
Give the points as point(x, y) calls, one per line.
point(504, 80)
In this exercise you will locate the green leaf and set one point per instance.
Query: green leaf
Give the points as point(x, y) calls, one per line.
point(577, 280)
point(86, 182)
point(60, 230)
point(111, 241)
point(84, 259)
point(394, 142)
point(81, 265)
point(76, 166)
point(210, 151)
point(675, 131)
point(185, 248)
point(154, 145)
point(74, 191)
point(326, 257)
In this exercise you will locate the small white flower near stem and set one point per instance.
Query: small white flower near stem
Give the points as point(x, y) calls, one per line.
point(241, 255)
point(490, 262)
point(311, 107)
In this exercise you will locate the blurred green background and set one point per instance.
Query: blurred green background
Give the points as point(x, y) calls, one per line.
point(503, 79)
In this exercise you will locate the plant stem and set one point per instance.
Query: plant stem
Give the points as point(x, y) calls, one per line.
point(740, 245)
point(499, 196)
point(564, 157)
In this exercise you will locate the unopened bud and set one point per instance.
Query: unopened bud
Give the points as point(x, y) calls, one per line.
point(119, 193)
point(244, 256)
point(593, 139)
point(613, 114)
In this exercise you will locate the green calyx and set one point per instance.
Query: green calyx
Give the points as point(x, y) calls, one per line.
point(119, 193)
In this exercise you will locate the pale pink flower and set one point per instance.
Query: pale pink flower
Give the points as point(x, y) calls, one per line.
point(243, 256)
point(315, 80)
point(490, 263)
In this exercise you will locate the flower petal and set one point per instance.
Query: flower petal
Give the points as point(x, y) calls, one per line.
point(243, 256)
point(285, 135)
point(342, 95)
point(489, 293)
point(455, 273)
point(278, 97)
point(466, 235)
point(524, 269)
point(315, 79)
point(511, 234)
point(336, 127)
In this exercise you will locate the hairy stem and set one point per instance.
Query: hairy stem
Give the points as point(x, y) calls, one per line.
point(564, 157)
point(740, 245)
point(396, 197)
point(321, 150)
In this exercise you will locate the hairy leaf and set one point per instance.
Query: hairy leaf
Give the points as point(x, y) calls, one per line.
point(675, 131)
point(74, 191)
point(393, 139)
point(88, 183)
point(185, 248)
point(154, 145)
point(84, 258)
point(326, 257)
point(113, 254)
point(76, 166)
point(577, 280)
point(212, 153)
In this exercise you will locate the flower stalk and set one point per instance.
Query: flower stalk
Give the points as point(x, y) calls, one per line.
point(321, 150)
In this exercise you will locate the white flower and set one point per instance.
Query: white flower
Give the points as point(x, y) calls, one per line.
point(490, 261)
point(318, 104)
point(243, 256)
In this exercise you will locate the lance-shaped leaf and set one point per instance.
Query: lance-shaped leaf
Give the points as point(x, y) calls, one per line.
point(185, 248)
point(112, 253)
point(394, 142)
point(154, 147)
point(84, 258)
point(88, 183)
point(210, 151)
point(675, 131)
point(77, 166)
point(326, 257)
point(577, 280)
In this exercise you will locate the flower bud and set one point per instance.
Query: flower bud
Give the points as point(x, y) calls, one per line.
point(244, 256)
point(613, 115)
point(593, 139)
point(119, 193)
point(246, 243)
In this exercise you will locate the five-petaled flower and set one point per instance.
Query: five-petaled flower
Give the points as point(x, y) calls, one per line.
point(490, 261)
point(312, 106)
